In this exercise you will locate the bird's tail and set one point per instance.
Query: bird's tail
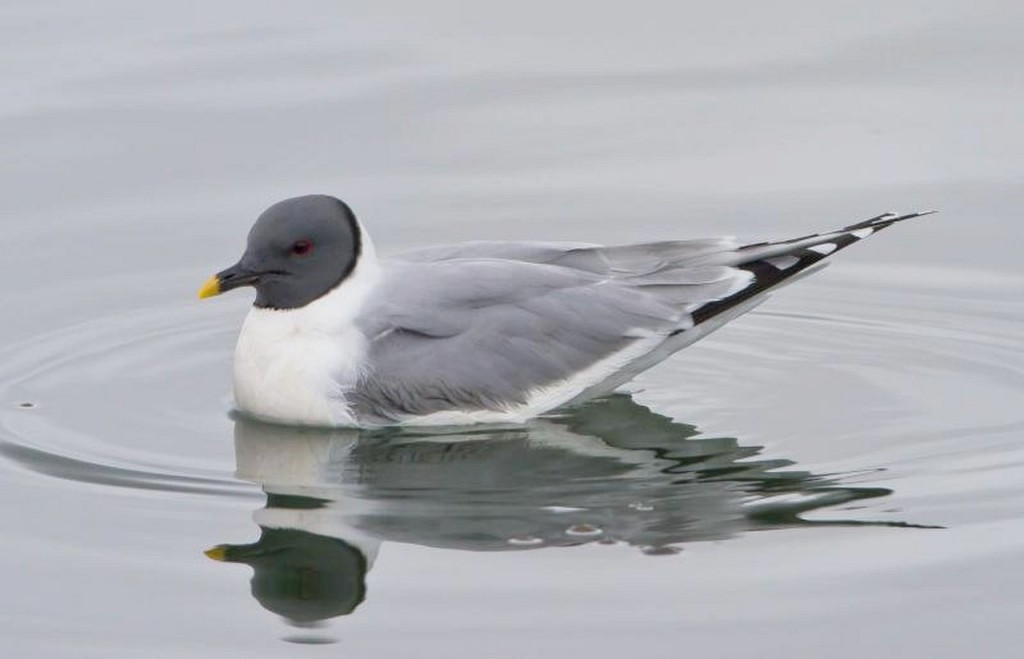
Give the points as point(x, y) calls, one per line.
point(775, 263)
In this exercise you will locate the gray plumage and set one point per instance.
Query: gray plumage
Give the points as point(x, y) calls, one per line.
point(482, 325)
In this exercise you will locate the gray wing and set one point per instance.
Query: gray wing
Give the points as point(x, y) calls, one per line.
point(482, 325)
point(484, 334)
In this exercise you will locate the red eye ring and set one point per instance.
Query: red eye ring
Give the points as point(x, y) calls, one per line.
point(302, 247)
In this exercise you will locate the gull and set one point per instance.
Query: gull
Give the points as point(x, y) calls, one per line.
point(477, 332)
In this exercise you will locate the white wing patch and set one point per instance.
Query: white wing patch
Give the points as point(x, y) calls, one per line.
point(783, 262)
point(824, 248)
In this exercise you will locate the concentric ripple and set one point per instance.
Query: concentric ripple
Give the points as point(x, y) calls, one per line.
point(134, 400)
point(139, 399)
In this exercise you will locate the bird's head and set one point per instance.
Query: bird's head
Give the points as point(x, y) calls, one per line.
point(298, 250)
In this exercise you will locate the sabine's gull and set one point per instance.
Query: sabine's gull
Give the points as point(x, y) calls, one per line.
point(476, 332)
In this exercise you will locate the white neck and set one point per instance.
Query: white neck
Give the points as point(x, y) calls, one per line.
point(296, 365)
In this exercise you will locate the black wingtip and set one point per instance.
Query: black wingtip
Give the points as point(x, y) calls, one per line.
point(910, 216)
point(886, 219)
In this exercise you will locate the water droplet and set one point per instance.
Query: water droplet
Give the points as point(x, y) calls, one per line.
point(562, 509)
point(664, 550)
point(585, 530)
point(525, 541)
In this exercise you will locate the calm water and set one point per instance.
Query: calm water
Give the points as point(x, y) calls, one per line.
point(840, 473)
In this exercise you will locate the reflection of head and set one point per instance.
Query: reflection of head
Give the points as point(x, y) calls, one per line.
point(300, 575)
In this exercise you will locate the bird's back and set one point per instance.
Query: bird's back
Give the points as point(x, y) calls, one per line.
point(502, 331)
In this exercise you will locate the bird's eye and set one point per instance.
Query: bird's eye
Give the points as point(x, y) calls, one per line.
point(302, 247)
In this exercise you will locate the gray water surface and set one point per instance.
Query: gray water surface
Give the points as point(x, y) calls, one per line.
point(837, 474)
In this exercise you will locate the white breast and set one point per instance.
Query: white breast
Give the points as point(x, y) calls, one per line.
point(296, 365)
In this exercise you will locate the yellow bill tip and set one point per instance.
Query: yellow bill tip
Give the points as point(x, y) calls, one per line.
point(210, 288)
point(218, 553)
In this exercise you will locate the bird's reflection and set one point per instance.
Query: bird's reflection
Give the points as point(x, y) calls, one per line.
point(610, 471)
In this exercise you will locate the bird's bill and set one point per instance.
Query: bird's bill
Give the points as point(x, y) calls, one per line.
point(225, 280)
point(210, 288)
point(218, 553)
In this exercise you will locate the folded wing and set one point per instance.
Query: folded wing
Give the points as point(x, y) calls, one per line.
point(509, 326)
